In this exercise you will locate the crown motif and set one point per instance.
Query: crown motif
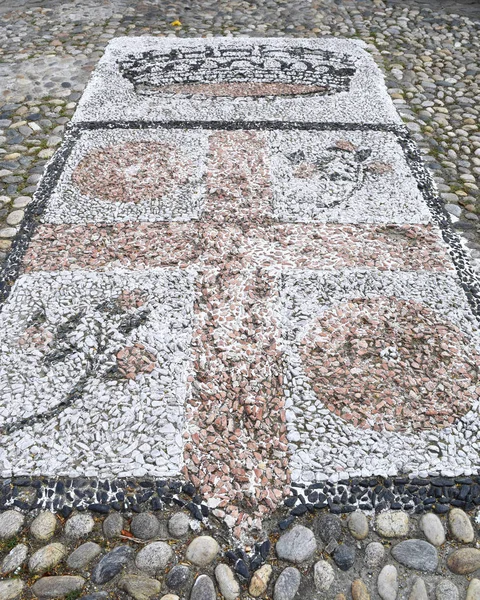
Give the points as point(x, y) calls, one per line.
point(238, 71)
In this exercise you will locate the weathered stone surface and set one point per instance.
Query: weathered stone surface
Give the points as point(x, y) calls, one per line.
point(416, 554)
point(11, 589)
point(464, 561)
point(45, 558)
point(297, 545)
point(287, 584)
point(113, 525)
point(95, 596)
point(433, 529)
point(57, 586)
point(111, 564)
point(359, 590)
point(419, 590)
point(11, 522)
point(178, 577)
point(358, 525)
point(170, 597)
point(374, 554)
point(145, 526)
point(14, 559)
point(83, 555)
point(202, 550)
point(328, 527)
point(344, 557)
point(154, 558)
point(229, 586)
point(387, 583)
point(139, 587)
point(473, 591)
point(446, 590)
point(178, 525)
point(203, 589)
point(259, 582)
point(460, 526)
point(323, 575)
point(43, 526)
point(79, 526)
point(392, 524)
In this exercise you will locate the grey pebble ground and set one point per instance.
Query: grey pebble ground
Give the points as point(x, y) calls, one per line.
point(169, 556)
point(428, 50)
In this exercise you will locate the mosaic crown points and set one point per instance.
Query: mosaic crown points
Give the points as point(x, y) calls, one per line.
point(275, 71)
point(191, 80)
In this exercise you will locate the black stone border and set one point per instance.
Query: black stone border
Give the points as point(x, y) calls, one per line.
point(63, 494)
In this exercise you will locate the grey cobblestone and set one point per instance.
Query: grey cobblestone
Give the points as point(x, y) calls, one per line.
point(127, 567)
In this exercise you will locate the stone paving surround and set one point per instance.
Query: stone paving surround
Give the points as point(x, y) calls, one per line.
point(167, 555)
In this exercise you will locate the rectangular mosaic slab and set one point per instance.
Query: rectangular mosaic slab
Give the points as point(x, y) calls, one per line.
point(93, 373)
point(237, 272)
point(382, 374)
point(231, 79)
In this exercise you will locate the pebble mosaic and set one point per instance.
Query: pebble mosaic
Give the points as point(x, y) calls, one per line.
point(130, 81)
point(343, 177)
point(242, 284)
point(131, 176)
point(93, 373)
point(339, 424)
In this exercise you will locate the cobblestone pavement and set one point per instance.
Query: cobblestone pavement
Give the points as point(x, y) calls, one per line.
point(168, 555)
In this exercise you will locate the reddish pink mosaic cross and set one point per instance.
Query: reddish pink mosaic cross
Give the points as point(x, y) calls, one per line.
point(235, 435)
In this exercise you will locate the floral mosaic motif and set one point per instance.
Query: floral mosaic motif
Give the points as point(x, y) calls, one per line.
point(253, 71)
point(331, 176)
point(337, 173)
point(389, 364)
point(86, 344)
point(106, 395)
point(133, 172)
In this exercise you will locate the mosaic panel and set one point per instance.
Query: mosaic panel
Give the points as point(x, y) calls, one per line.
point(236, 272)
point(221, 79)
point(382, 374)
point(93, 373)
point(344, 177)
point(129, 176)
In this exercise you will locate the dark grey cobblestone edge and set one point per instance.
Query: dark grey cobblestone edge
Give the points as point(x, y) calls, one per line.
point(316, 548)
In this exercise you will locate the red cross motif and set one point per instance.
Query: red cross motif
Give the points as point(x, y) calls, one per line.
point(235, 424)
